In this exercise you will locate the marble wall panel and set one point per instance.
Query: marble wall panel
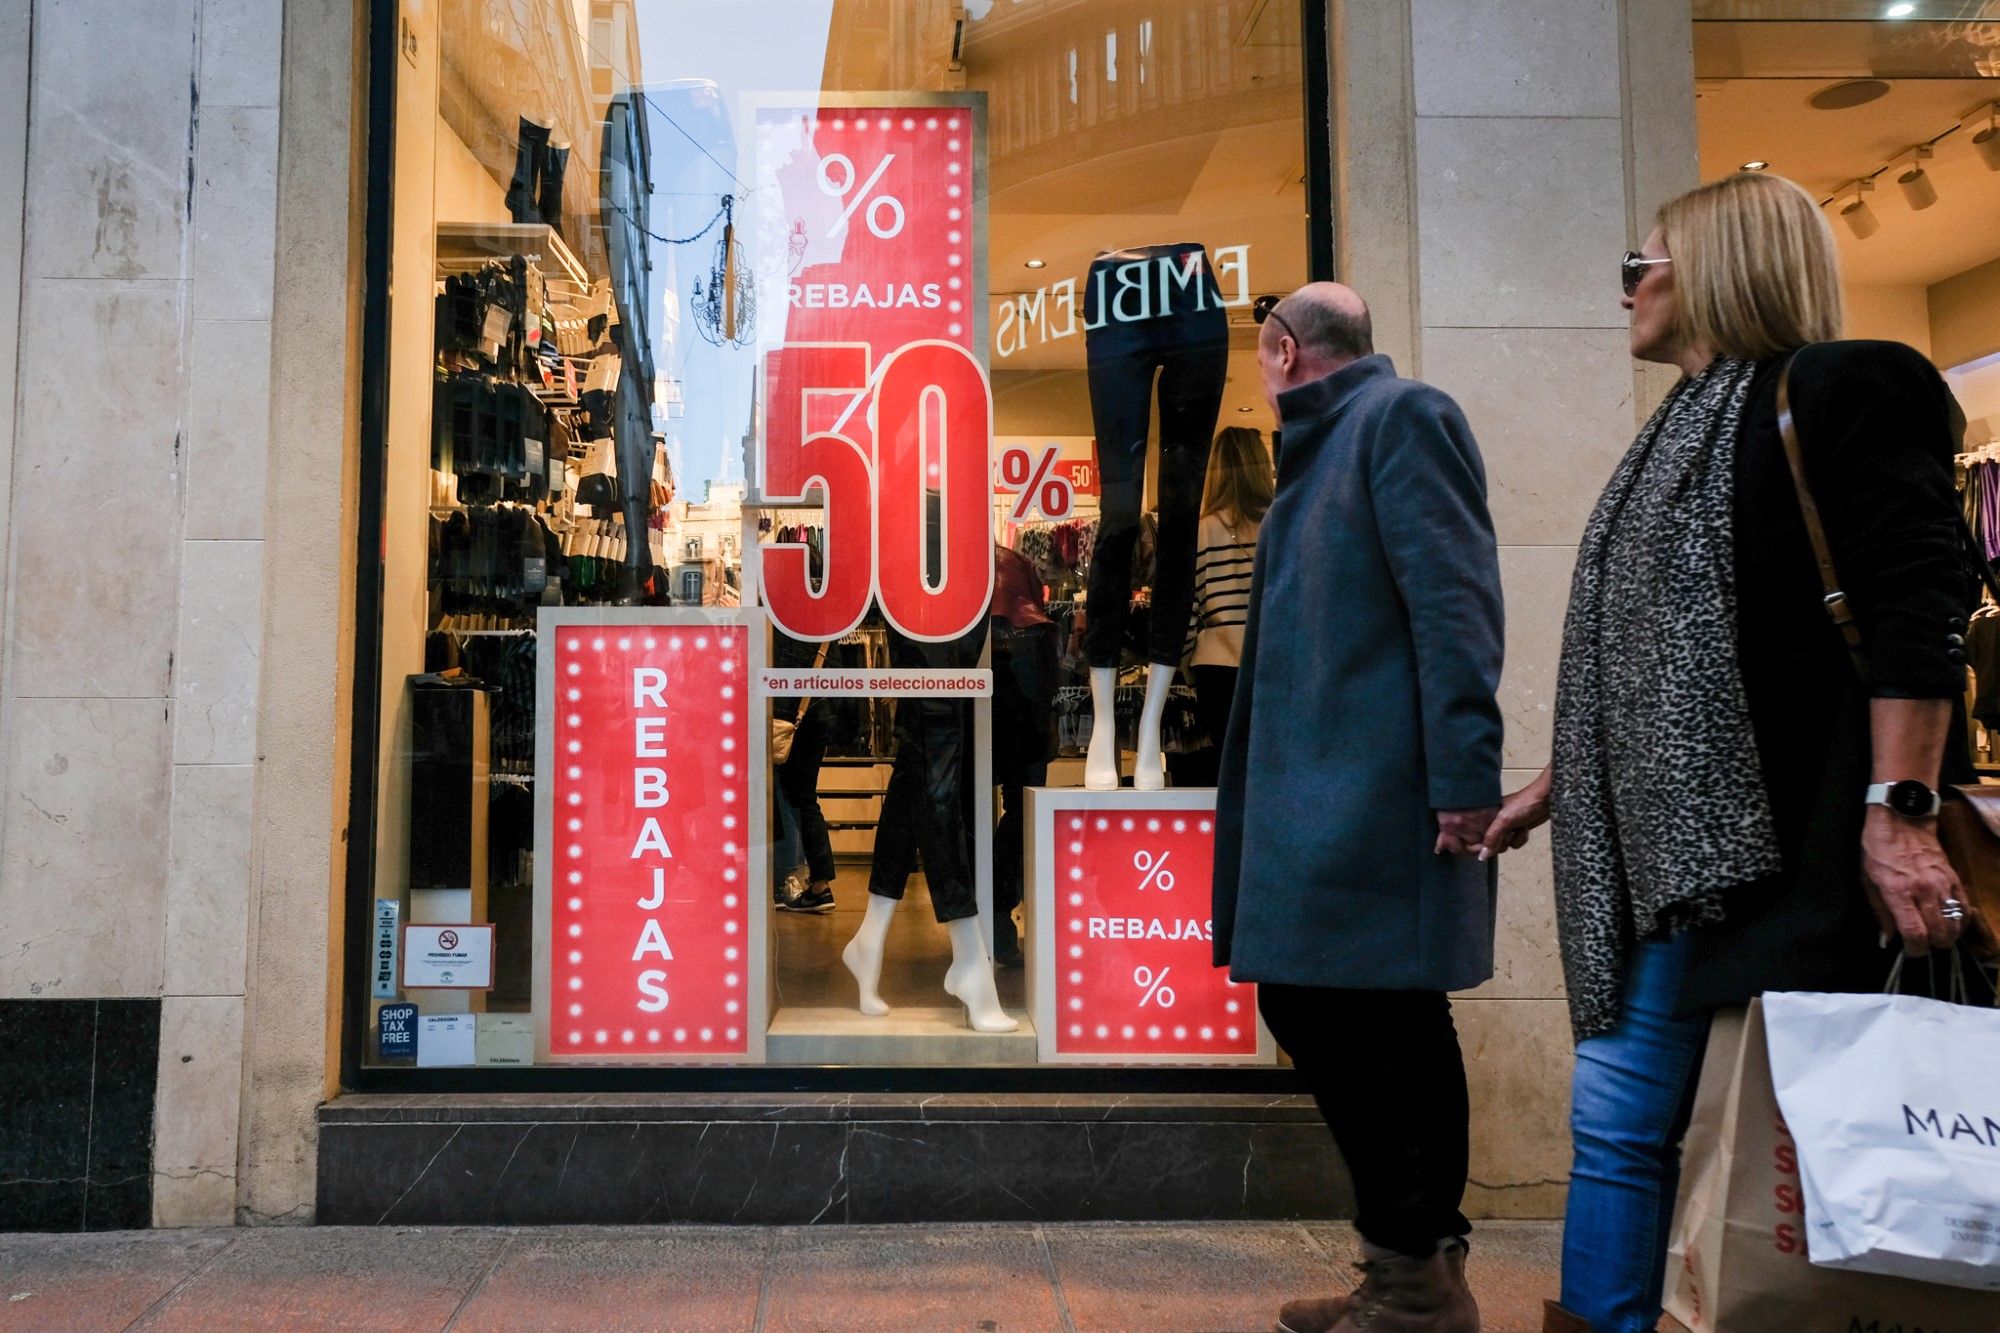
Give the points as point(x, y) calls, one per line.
point(235, 212)
point(110, 132)
point(1527, 962)
point(1536, 580)
point(84, 859)
point(200, 1083)
point(216, 664)
point(239, 52)
point(96, 522)
point(1552, 410)
point(1548, 58)
point(1517, 1062)
point(1520, 221)
point(229, 429)
point(208, 879)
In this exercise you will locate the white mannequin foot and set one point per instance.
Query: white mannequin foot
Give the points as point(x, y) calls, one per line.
point(863, 954)
point(1100, 762)
point(969, 979)
point(1149, 768)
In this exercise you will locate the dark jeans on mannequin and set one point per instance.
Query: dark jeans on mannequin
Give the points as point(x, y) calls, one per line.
point(924, 813)
point(1386, 1070)
point(1179, 333)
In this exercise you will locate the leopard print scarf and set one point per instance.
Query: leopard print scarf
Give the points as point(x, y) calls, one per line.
point(1659, 799)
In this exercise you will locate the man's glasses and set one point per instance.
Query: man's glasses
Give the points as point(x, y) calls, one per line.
point(1632, 270)
point(1266, 307)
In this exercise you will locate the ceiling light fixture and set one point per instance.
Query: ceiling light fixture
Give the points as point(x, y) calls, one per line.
point(1035, 263)
point(1858, 216)
point(1987, 141)
point(1915, 183)
point(1246, 409)
point(1901, 11)
point(1754, 164)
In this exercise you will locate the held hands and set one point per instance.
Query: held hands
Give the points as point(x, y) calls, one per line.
point(1526, 809)
point(1459, 831)
point(1908, 880)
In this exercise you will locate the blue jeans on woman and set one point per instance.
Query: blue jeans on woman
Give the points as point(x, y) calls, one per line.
point(1629, 1108)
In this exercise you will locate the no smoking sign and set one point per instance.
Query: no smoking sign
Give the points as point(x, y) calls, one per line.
point(1123, 923)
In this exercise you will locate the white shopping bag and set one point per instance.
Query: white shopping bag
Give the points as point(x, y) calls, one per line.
point(1894, 1102)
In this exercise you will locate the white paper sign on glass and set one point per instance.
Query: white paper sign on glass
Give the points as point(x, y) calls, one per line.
point(457, 957)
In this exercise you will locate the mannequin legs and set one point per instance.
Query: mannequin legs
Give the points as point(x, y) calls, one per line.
point(1100, 763)
point(1149, 769)
point(863, 954)
point(969, 979)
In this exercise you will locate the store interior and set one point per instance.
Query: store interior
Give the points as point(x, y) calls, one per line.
point(581, 295)
point(1895, 124)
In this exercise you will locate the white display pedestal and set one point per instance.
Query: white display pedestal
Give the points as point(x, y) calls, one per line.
point(1119, 963)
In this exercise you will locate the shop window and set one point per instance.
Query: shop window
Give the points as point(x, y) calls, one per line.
point(775, 380)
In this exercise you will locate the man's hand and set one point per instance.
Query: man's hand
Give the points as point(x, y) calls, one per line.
point(1460, 831)
point(1908, 879)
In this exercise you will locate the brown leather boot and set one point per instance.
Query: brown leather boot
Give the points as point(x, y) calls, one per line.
point(1313, 1315)
point(1407, 1295)
point(1555, 1319)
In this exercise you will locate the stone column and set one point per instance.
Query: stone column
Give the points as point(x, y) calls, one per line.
point(1498, 156)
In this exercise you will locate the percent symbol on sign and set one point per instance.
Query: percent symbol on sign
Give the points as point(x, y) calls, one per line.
point(1035, 483)
point(1155, 989)
point(1153, 871)
point(844, 189)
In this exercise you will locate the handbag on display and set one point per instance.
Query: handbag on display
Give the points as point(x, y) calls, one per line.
point(783, 732)
point(1969, 823)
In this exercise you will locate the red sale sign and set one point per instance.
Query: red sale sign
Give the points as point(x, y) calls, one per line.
point(1123, 971)
point(649, 793)
point(874, 375)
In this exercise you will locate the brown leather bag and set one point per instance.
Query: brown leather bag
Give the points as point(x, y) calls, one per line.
point(1969, 824)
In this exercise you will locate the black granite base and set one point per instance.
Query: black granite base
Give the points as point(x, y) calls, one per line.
point(614, 1159)
point(76, 1113)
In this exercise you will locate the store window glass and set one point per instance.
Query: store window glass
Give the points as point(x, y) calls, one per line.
point(805, 426)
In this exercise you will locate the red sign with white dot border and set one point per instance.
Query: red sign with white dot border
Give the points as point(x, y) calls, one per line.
point(649, 841)
point(1122, 970)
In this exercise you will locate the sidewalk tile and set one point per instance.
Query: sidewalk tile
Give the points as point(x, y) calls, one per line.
point(628, 1279)
point(1195, 1278)
point(392, 1278)
point(898, 1278)
point(102, 1281)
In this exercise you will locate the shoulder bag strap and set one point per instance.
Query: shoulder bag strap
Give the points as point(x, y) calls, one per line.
point(805, 701)
point(1835, 601)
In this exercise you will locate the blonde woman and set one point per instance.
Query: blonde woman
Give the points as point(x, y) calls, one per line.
point(1234, 497)
point(1720, 762)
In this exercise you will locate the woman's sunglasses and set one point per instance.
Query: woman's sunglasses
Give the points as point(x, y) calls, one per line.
point(1266, 307)
point(1632, 270)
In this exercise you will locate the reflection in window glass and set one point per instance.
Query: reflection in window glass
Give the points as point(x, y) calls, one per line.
point(838, 338)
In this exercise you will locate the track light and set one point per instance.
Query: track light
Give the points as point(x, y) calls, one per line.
point(1915, 183)
point(1987, 141)
point(1859, 217)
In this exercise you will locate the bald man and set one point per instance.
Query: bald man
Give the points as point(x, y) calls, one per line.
point(1361, 768)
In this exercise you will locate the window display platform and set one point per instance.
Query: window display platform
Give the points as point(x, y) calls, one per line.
point(527, 1159)
point(843, 1035)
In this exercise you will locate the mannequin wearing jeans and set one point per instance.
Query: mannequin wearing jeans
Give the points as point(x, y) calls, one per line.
point(923, 818)
point(1148, 311)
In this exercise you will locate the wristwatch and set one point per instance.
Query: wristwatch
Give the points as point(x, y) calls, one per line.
point(1909, 798)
